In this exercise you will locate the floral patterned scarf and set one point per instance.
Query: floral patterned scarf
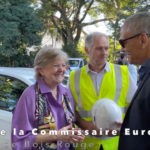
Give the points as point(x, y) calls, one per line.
point(45, 117)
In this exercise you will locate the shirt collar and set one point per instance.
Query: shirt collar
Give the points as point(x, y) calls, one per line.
point(106, 68)
point(45, 89)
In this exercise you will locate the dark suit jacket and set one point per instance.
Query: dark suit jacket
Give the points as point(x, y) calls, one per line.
point(137, 118)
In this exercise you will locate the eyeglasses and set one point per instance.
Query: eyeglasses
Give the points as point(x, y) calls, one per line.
point(122, 42)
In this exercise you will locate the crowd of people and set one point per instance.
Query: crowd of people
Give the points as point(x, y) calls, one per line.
point(48, 106)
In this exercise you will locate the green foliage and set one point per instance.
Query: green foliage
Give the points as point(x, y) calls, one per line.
point(113, 45)
point(19, 29)
point(71, 50)
point(119, 11)
point(81, 48)
point(66, 19)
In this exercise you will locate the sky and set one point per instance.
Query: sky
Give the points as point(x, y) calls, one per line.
point(99, 27)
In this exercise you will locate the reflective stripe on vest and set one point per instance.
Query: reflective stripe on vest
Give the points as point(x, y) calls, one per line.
point(87, 114)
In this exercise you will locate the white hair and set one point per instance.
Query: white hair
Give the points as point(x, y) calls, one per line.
point(91, 37)
point(45, 56)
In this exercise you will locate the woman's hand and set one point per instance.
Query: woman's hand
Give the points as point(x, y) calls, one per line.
point(70, 135)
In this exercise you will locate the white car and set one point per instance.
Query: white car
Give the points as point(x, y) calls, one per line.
point(76, 63)
point(13, 81)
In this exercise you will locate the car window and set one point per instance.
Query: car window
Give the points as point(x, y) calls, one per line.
point(81, 64)
point(10, 91)
point(65, 82)
point(74, 63)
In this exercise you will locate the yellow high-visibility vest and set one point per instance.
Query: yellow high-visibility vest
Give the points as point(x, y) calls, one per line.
point(114, 86)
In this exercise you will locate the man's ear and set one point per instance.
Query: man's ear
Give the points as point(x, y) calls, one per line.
point(144, 40)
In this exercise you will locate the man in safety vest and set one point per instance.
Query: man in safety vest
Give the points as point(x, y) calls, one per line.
point(99, 79)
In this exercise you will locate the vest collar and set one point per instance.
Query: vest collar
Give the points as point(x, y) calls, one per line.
point(106, 68)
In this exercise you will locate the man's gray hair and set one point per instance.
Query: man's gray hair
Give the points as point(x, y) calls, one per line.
point(45, 56)
point(138, 23)
point(90, 38)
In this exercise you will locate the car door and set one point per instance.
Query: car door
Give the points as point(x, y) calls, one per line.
point(10, 91)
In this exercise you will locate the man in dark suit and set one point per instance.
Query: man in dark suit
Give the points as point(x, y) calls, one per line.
point(135, 40)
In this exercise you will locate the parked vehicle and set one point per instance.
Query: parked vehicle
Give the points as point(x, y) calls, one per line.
point(13, 81)
point(76, 63)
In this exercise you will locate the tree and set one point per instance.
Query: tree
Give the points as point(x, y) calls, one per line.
point(120, 10)
point(67, 18)
point(19, 29)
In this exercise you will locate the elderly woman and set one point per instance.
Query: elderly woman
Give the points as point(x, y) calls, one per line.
point(45, 106)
